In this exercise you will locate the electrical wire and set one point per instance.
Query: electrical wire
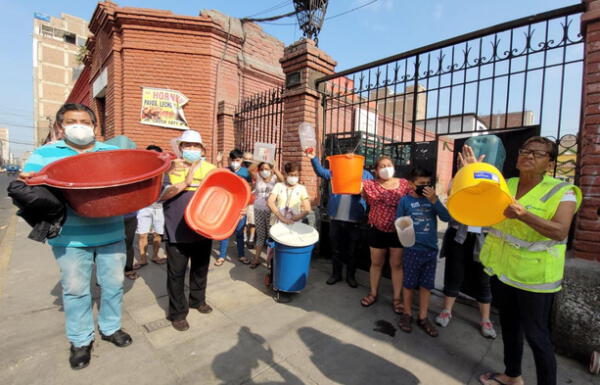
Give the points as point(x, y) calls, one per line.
point(333, 16)
point(18, 142)
point(263, 19)
point(273, 8)
point(16, 125)
point(351, 10)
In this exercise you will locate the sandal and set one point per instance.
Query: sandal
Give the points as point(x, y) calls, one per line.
point(428, 327)
point(133, 275)
point(486, 378)
point(369, 300)
point(397, 306)
point(159, 261)
point(268, 280)
point(137, 266)
point(405, 322)
point(219, 261)
point(245, 260)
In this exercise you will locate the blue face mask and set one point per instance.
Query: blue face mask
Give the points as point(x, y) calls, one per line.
point(191, 155)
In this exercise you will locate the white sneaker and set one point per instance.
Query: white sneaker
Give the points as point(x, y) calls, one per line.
point(487, 330)
point(444, 318)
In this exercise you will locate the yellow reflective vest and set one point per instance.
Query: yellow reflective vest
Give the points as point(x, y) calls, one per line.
point(520, 256)
point(178, 175)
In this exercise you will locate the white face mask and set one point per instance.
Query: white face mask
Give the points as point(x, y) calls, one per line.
point(265, 173)
point(79, 134)
point(292, 180)
point(236, 165)
point(386, 173)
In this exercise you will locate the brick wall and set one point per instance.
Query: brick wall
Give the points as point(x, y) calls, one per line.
point(302, 104)
point(587, 242)
point(151, 48)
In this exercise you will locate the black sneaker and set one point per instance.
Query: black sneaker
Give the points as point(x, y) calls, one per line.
point(351, 281)
point(333, 279)
point(204, 308)
point(80, 357)
point(119, 338)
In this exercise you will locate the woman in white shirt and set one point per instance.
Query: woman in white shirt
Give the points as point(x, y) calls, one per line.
point(264, 182)
point(289, 201)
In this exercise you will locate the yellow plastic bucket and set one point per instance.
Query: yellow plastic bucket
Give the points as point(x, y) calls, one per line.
point(479, 195)
point(346, 173)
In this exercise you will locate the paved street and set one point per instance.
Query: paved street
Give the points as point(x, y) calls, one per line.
point(322, 337)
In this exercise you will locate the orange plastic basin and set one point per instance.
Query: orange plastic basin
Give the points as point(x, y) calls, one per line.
point(107, 183)
point(215, 208)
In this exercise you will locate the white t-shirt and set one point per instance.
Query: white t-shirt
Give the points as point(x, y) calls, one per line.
point(289, 199)
point(262, 190)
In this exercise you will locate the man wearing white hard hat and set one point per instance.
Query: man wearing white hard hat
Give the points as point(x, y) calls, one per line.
point(184, 244)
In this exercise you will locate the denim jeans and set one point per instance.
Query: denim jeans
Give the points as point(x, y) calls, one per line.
point(239, 239)
point(76, 265)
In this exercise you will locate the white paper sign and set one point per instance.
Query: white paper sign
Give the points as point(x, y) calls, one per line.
point(264, 152)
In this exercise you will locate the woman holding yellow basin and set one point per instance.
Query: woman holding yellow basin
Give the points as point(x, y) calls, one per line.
point(525, 255)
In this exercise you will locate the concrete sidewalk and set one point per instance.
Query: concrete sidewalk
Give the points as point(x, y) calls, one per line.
point(323, 336)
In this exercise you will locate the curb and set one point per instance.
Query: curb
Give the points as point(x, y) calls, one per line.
point(6, 248)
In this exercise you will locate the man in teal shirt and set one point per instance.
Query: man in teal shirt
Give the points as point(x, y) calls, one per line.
point(83, 242)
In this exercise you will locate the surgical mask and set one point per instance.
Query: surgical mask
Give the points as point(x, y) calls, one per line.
point(419, 189)
point(386, 173)
point(79, 134)
point(236, 165)
point(191, 155)
point(292, 180)
point(265, 173)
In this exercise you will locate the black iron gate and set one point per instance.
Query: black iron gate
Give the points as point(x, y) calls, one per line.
point(527, 72)
point(259, 119)
point(518, 78)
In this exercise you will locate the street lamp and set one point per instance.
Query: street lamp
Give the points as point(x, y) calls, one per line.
point(311, 14)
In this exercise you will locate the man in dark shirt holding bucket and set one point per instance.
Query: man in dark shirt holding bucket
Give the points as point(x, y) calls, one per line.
point(346, 213)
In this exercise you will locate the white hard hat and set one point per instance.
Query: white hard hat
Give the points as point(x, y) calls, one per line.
point(190, 136)
point(187, 136)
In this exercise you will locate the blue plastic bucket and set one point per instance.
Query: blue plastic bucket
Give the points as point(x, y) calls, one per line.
point(290, 270)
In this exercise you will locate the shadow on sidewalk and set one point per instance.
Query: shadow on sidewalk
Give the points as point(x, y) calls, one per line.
point(246, 347)
point(458, 352)
point(348, 364)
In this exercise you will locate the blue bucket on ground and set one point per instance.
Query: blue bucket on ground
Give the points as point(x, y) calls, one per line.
point(290, 267)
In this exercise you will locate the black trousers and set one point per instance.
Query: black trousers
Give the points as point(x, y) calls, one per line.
point(526, 313)
point(460, 264)
point(344, 238)
point(178, 255)
point(130, 226)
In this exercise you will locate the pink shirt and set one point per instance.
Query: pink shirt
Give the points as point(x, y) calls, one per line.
point(383, 203)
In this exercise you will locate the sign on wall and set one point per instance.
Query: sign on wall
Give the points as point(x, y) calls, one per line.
point(164, 108)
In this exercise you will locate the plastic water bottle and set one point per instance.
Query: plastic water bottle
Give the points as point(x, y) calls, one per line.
point(308, 139)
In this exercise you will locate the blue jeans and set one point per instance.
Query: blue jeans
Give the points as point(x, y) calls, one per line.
point(239, 239)
point(76, 265)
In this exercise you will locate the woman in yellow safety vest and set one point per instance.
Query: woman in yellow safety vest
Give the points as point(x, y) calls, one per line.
point(525, 255)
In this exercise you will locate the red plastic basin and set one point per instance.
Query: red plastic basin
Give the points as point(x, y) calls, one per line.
point(107, 183)
point(215, 208)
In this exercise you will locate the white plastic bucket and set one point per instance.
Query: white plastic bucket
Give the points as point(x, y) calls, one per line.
point(405, 230)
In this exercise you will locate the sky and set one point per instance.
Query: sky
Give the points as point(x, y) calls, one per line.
point(373, 29)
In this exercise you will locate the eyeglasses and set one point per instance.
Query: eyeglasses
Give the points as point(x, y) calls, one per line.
point(536, 153)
